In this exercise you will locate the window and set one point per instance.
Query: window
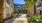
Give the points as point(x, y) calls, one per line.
point(40, 12)
point(8, 1)
point(41, 0)
point(39, 5)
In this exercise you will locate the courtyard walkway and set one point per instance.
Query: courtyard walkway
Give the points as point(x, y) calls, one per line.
point(22, 19)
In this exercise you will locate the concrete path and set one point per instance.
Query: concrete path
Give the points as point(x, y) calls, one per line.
point(21, 18)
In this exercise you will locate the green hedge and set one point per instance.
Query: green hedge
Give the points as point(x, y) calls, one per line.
point(36, 19)
point(14, 14)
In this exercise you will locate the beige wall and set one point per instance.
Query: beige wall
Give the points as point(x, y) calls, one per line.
point(3, 10)
point(8, 9)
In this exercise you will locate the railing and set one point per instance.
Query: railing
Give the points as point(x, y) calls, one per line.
point(7, 18)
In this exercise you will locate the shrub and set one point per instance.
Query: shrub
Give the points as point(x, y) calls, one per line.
point(36, 19)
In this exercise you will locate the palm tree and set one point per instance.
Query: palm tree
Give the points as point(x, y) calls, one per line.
point(1, 10)
point(30, 6)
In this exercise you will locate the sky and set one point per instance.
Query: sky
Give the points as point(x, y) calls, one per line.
point(19, 1)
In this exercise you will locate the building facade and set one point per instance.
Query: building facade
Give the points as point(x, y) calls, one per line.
point(9, 8)
point(6, 8)
point(39, 7)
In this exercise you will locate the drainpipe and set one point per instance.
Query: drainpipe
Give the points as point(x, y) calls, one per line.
point(41, 3)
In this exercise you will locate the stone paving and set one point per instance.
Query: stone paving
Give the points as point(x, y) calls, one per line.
point(21, 19)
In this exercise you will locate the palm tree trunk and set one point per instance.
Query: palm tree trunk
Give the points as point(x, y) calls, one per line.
point(31, 10)
point(1, 11)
